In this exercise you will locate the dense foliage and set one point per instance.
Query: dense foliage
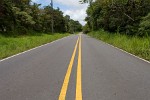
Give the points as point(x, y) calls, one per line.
point(131, 17)
point(21, 16)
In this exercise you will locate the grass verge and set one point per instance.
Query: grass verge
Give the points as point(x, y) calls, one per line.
point(135, 45)
point(13, 45)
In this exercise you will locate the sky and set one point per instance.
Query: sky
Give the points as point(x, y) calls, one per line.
point(72, 8)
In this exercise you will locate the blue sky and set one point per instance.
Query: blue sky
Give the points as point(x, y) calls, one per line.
point(73, 8)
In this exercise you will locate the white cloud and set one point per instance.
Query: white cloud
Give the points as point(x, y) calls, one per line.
point(77, 14)
point(72, 3)
point(35, 0)
point(74, 9)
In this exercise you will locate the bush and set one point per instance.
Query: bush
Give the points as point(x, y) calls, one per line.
point(144, 29)
point(86, 29)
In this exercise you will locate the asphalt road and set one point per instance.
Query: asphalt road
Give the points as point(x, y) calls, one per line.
point(76, 67)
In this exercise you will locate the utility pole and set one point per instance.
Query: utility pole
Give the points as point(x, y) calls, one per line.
point(52, 26)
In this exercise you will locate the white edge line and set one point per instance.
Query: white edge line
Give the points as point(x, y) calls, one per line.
point(33, 48)
point(125, 51)
point(129, 53)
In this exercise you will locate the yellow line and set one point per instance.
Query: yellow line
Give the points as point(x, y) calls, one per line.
point(67, 77)
point(78, 83)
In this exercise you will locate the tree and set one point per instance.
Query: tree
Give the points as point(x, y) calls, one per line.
point(117, 15)
point(67, 19)
point(144, 29)
point(20, 16)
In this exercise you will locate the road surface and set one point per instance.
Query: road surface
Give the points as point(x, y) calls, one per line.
point(77, 67)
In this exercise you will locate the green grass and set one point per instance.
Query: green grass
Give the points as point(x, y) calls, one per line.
point(13, 45)
point(135, 45)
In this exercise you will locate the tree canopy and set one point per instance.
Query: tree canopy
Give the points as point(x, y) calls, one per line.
point(20, 16)
point(124, 16)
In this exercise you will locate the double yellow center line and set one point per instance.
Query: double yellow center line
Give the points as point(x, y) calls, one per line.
point(63, 92)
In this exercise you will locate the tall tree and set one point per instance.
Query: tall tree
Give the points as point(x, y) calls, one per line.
point(117, 15)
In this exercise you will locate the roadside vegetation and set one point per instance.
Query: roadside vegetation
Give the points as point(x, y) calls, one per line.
point(136, 45)
point(25, 24)
point(22, 16)
point(123, 23)
point(13, 45)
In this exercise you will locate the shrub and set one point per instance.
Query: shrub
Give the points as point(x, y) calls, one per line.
point(144, 29)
